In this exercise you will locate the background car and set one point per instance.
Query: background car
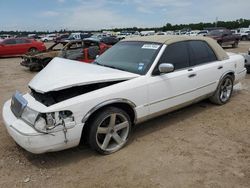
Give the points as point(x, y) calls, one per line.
point(224, 37)
point(202, 33)
point(61, 37)
point(109, 40)
point(19, 46)
point(247, 60)
point(48, 38)
point(81, 50)
point(35, 61)
point(5, 36)
point(78, 36)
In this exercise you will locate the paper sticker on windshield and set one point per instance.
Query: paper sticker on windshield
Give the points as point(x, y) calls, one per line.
point(151, 46)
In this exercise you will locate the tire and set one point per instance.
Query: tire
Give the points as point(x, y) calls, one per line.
point(235, 44)
point(224, 91)
point(109, 130)
point(33, 50)
point(45, 62)
point(244, 38)
point(35, 68)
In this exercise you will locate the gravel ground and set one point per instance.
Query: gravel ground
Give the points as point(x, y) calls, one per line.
point(202, 145)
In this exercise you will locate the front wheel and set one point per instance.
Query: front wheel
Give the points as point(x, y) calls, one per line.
point(224, 91)
point(109, 130)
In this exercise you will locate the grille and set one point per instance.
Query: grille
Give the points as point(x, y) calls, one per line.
point(18, 103)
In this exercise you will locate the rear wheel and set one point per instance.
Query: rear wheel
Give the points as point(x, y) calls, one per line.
point(235, 44)
point(224, 91)
point(109, 130)
point(33, 50)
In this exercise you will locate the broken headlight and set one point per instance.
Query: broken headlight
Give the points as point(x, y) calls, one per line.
point(48, 122)
point(54, 121)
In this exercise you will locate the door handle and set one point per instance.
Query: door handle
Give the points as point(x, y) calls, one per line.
point(220, 67)
point(189, 70)
point(191, 75)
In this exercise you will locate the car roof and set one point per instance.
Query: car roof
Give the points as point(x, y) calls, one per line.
point(170, 39)
point(91, 39)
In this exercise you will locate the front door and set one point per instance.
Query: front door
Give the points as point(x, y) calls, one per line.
point(166, 91)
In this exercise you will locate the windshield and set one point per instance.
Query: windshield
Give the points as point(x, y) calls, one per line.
point(135, 57)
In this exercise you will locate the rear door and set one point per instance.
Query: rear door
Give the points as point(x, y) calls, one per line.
point(207, 68)
point(228, 38)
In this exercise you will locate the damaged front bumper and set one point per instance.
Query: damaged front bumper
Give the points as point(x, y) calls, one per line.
point(35, 142)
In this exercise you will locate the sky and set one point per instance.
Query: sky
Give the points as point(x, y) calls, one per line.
point(43, 15)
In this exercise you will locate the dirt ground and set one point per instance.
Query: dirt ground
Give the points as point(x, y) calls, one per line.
point(202, 145)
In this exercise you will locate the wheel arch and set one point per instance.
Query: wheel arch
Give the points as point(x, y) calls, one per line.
point(125, 104)
point(230, 72)
point(32, 47)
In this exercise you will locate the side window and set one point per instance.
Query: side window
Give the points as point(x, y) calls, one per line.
point(75, 45)
point(176, 54)
point(10, 42)
point(26, 41)
point(200, 53)
point(22, 41)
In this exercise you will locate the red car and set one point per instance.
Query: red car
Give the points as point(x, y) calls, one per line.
point(19, 46)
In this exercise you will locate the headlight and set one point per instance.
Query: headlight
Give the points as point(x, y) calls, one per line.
point(54, 121)
point(29, 115)
point(48, 122)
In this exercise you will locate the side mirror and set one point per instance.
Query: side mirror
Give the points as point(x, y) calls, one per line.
point(166, 68)
point(96, 56)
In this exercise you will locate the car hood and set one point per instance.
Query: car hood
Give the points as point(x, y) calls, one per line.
point(63, 73)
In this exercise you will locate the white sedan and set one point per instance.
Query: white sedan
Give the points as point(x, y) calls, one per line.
point(137, 79)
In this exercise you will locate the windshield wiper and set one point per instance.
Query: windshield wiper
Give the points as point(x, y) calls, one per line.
point(97, 63)
point(113, 67)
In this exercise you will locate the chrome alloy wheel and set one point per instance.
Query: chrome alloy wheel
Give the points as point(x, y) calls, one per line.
point(226, 89)
point(112, 132)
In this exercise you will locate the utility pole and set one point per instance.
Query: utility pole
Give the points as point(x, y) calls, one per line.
point(216, 21)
